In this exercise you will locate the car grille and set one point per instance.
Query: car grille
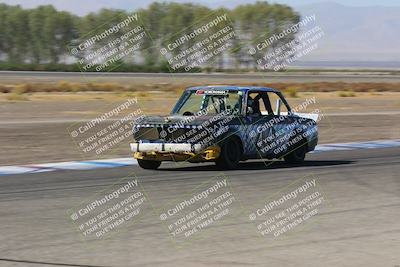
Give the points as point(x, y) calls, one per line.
point(145, 133)
point(178, 135)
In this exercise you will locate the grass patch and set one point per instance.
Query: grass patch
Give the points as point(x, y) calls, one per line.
point(22, 89)
point(16, 97)
point(346, 94)
point(292, 92)
point(18, 93)
point(143, 94)
point(291, 89)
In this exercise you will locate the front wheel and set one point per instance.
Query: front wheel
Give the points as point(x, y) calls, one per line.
point(231, 154)
point(149, 164)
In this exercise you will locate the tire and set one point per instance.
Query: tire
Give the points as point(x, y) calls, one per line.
point(149, 164)
point(231, 154)
point(297, 155)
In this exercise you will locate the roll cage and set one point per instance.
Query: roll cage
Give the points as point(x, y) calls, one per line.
point(261, 98)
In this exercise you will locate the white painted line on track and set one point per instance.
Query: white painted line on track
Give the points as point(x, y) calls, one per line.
point(121, 162)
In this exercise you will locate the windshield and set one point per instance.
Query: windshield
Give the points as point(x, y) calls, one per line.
point(211, 101)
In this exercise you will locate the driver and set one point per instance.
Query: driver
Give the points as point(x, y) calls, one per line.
point(254, 104)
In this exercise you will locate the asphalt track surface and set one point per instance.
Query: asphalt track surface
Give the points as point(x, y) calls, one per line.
point(39, 76)
point(358, 224)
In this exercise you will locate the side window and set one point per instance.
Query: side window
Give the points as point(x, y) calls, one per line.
point(234, 102)
point(259, 103)
point(273, 97)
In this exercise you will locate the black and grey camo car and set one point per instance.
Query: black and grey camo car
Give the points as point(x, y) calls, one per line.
point(225, 125)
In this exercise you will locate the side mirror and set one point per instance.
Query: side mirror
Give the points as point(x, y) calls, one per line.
point(250, 110)
point(278, 107)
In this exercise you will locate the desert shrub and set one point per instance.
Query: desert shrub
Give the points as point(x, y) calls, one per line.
point(17, 97)
point(63, 86)
point(23, 89)
point(346, 94)
point(292, 92)
point(5, 89)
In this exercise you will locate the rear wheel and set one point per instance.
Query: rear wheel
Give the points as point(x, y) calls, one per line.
point(297, 155)
point(149, 164)
point(231, 154)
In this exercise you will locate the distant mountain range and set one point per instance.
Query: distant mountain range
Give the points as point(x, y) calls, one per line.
point(352, 33)
point(355, 33)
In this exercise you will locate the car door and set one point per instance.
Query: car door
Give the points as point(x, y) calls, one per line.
point(285, 125)
point(271, 123)
point(260, 127)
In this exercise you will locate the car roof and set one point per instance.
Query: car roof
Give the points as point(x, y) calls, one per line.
point(232, 88)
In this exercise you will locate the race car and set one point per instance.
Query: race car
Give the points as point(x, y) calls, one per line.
point(225, 125)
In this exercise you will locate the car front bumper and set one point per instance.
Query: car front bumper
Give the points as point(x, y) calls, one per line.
point(174, 152)
point(166, 147)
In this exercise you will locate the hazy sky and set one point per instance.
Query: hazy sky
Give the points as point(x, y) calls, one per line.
point(82, 7)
